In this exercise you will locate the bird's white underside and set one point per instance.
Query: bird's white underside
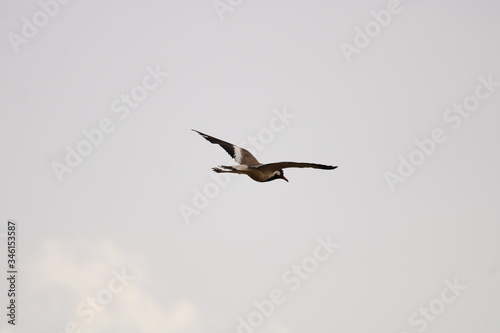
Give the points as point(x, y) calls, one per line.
point(240, 167)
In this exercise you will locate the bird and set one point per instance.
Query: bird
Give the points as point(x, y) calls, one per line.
point(248, 164)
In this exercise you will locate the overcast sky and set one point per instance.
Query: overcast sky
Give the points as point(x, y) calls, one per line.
point(122, 225)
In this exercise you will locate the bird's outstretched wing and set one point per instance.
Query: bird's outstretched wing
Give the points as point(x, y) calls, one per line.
point(240, 155)
point(283, 165)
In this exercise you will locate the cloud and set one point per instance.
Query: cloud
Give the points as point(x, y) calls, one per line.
point(70, 272)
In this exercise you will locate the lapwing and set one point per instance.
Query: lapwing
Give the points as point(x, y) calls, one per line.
point(248, 164)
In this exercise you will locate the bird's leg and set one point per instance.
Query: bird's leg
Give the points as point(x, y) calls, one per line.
point(219, 170)
point(229, 169)
point(240, 169)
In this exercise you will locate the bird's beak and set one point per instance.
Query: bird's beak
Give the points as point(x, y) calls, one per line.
point(284, 178)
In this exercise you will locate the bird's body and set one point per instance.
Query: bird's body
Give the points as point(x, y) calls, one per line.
point(248, 164)
point(251, 171)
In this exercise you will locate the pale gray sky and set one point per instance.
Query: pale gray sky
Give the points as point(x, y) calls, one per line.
point(126, 242)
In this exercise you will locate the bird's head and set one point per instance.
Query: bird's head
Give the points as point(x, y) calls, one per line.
point(281, 174)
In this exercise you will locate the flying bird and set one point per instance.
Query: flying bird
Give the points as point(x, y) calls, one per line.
point(248, 164)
